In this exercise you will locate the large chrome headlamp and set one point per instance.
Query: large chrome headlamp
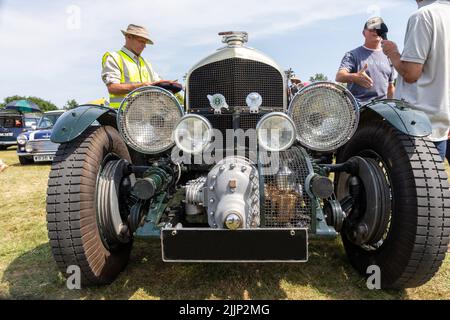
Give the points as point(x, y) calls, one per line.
point(326, 116)
point(276, 132)
point(147, 118)
point(193, 134)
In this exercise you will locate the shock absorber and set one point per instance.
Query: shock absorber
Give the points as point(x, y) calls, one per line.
point(155, 181)
point(355, 192)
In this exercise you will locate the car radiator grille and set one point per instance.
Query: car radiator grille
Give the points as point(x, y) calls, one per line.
point(235, 79)
point(244, 122)
point(43, 146)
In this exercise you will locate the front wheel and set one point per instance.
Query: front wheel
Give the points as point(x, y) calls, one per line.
point(85, 207)
point(409, 237)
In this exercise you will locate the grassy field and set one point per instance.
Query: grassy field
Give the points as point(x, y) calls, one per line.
point(27, 269)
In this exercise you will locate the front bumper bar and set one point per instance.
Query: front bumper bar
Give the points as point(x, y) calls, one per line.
point(242, 246)
point(8, 143)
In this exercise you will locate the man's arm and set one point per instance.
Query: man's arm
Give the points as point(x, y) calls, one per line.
point(123, 88)
point(360, 78)
point(410, 71)
point(391, 91)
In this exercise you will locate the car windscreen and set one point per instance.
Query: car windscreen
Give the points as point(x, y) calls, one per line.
point(31, 122)
point(48, 121)
point(11, 122)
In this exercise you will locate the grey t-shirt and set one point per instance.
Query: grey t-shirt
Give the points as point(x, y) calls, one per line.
point(427, 42)
point(379, 69)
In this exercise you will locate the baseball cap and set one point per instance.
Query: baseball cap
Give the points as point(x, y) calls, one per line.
point(373, 23)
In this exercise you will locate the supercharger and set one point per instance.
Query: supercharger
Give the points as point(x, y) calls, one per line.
point(230, 194)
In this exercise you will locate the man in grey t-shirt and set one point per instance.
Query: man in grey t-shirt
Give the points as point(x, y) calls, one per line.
point(424, 66)
point(366, 69)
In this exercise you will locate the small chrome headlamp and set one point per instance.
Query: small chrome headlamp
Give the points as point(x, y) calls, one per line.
point(28, 148)
point(22, 139)
point(193, 134)
point(276, 132)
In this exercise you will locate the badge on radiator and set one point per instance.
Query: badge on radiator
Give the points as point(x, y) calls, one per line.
point(218, 102)
point(254, 102)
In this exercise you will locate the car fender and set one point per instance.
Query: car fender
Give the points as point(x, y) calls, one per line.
point(73, 123)
point(401, 116)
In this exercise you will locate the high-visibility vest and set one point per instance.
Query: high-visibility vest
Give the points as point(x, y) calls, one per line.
point(131, 73)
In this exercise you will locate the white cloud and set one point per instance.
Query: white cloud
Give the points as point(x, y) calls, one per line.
point(44, 53)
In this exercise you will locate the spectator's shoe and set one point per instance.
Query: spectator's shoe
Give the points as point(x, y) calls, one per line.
point(3, 166)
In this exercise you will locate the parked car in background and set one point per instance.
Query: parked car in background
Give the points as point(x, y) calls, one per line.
point(13, 123)
point(35, 146)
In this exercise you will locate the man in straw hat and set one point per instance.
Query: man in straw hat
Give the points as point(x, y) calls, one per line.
point(126, 70)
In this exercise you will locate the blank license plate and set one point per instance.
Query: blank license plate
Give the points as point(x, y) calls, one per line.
point(3, 134)
point(259, 245)
point(43, 158)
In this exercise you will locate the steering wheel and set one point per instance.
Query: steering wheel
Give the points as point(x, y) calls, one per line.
point(171, 86)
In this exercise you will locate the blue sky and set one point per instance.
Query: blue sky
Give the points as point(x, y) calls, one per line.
point(53, 49)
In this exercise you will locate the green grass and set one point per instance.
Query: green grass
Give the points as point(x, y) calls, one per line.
point(27, 269)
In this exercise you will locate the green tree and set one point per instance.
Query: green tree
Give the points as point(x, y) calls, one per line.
point(71, 104)
point(318, 77)
point(44, 105)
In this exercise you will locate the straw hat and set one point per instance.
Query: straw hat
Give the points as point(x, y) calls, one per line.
point(138, 31)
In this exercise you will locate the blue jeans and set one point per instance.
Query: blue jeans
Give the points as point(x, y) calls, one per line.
point(442, 148)
point(448, 151)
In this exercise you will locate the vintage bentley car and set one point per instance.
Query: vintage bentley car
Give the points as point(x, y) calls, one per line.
point(247, 172)
point(35, 145)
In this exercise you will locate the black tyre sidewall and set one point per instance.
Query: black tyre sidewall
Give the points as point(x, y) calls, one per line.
point(396, 254)
point(75, 169)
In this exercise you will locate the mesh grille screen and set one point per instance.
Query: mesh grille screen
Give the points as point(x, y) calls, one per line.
point(235, 79)
point(286, 202)
point(326, 116)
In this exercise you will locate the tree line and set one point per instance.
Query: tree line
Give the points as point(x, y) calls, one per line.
point(43, 104)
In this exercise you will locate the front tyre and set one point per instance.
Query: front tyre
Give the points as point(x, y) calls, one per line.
point(74, 223)
point(414, 240)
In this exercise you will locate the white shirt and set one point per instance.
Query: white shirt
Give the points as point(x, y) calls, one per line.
point(427, 42)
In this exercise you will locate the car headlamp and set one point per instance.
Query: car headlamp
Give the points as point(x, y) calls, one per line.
point(28, 148)
point(22, 139)
point(147, 118)
point(193, 134)
point(276, 132)
point(326, 116)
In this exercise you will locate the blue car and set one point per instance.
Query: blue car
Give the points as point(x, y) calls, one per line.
point(35, 146)
point(13, 123)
